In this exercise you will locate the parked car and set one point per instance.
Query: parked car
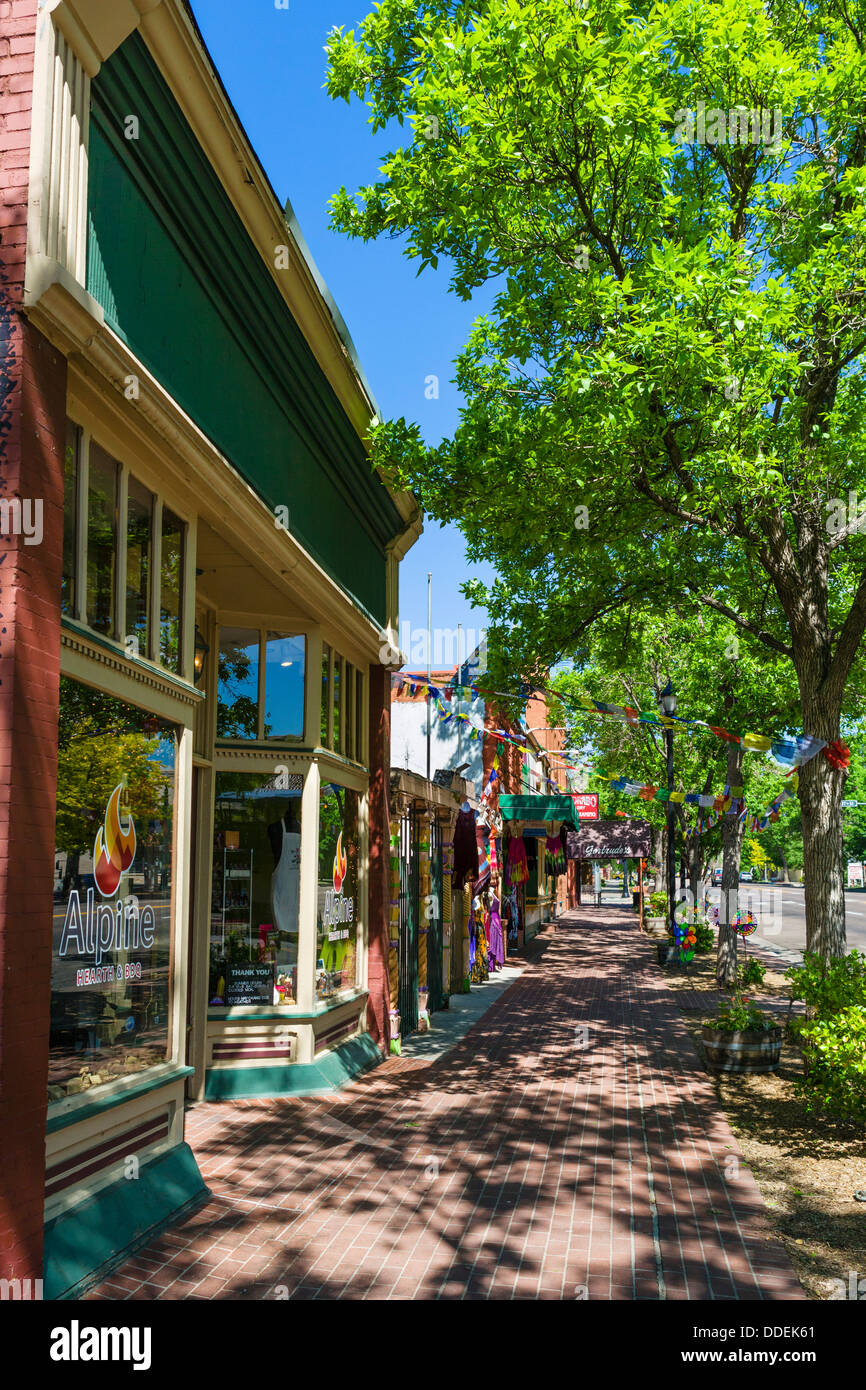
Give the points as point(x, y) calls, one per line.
point(745, 877)
point(717, 878)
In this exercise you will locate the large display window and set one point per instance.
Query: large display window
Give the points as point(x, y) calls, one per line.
point(339, 895)
point(255, 899)
point(114, 874)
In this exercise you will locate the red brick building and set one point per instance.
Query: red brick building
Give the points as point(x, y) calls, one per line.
point(198, 576)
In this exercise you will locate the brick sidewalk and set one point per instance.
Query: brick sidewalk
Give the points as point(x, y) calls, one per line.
point(519, 1165)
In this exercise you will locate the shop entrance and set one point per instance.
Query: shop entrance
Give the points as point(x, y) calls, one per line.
point(435, 996)
point(407, 1002)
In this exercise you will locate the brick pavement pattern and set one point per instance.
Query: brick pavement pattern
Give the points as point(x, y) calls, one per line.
point(569, 1147)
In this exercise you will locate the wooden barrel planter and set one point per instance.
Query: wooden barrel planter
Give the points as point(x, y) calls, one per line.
point(746, 1052)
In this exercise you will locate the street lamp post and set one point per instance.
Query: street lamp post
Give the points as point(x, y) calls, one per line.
point(667, 705)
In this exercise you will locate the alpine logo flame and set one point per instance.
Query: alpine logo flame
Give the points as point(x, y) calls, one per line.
point(339, 865)
point(114, 848)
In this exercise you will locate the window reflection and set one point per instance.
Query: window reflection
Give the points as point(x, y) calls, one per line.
point(238, 691)
point(285, 670)
point(101, 539)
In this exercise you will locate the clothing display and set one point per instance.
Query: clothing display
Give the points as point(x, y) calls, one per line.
point(517, 869)
point(465, 849)
point(554, 856)
point(496, 942)
point(286, 879)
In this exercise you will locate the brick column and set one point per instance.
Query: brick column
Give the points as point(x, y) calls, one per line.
point(32, 440)
point(379, 1002)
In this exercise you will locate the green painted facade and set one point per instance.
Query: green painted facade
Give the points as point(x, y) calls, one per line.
point(85, 1242)
point(328, 1073)
point(180, 280)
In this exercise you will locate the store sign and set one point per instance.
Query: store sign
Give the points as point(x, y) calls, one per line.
point(96, 929)
point(338, 909)
point(586, 805)
point(249, 984)
point(610, 839)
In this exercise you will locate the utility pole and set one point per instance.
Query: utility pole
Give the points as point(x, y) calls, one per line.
point(667, 705)
point(459, 679)
point(429, 661)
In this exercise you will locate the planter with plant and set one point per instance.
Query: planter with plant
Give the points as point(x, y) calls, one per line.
point(742, 1039)
point(657, 921)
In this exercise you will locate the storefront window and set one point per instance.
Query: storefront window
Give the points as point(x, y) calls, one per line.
point(171, 608)
point(337, 743)
point(349, 721)
point(114, 871)
point(238, 693)
point(139, 523)
point(326, 693)
point(255, 901)
point(359, 716)
point(101, 540)
point(339, 895)
point(285, 671)
point(70, 509)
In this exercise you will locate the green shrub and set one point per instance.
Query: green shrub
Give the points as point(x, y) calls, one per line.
point(706, 937)
point(834, 1064)
point(753, 972)
point(741, 1016)
point(659, 904)
point(829, 987)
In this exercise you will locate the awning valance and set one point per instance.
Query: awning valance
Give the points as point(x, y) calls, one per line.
point(537, 808)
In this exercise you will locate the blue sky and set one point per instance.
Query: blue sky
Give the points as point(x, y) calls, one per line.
point(405, 328)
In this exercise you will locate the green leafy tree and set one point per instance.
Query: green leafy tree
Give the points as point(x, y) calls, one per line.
point(666, 396)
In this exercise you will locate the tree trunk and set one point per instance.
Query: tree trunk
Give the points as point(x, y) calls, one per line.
point(786, 877)
point(820, 795)
point(732, 843)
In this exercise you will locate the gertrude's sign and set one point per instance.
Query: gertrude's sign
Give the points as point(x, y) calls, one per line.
point(611, 839)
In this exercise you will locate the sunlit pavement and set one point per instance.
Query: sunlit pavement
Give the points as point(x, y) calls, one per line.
point(568, 1146)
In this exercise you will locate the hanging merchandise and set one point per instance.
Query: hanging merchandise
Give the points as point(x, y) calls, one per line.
point(517, 869)
point(496, 943)
point(465, 847)
point(554, 856)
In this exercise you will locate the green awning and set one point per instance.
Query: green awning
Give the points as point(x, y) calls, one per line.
point(537, 808)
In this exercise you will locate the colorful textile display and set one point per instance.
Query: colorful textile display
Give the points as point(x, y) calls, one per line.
point(517, 869)
point(554, 856)
point(465, 849)
point(496, 943)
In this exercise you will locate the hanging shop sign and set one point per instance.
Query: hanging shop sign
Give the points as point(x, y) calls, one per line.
point(586, 805)
point(610, 839)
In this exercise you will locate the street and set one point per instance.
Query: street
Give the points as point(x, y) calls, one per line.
point(781, 914)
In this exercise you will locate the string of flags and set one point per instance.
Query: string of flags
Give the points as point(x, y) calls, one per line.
point(791, 751)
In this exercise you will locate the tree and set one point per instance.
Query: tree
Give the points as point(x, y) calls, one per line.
point(628, 658)
point(666, 397)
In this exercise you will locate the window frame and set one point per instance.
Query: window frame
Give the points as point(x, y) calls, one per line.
point(84, 437)
point(260, 740)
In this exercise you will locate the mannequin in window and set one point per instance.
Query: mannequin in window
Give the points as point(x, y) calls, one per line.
point(285, 839)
